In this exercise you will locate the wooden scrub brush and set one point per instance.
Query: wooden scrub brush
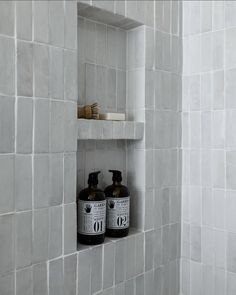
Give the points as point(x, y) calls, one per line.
point(89, 111)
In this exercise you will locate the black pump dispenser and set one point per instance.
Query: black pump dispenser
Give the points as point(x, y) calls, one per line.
point(93, 178)
point(118, 206)
point(117, 175)
point(91, 207)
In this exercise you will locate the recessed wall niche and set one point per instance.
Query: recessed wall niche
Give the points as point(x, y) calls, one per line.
point(105, 77)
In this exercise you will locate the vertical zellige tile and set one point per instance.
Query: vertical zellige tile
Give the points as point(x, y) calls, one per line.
point(7, 198)
point(23, 239)
point(7, 124)
point(7, 257)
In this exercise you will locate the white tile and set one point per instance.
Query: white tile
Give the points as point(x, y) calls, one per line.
point(96, 265)
point(24, 125)
point(70, 137)
point(196, 278)
point(23, 239)
point(230, 117)
point(24, 68)
point(70, 178)
point(70, 75)
point(218, 168)
point(7, 257)
point(41, 70)
point(56, 73)
point(56, 179)
point(219, 204)
point(55, 232)
point(218, 90)
point(23, 182)
point(231, 283)
point(230, 56)
point(218, 50)
point(206, 91)
point(7, 18)
point(70, 239)
point(41, 235)
point(101, 42)
point(220, 284)
point(230, 10)
point(41, 133)
point(191, 20)
point(41, 21)
point(7, 124)
point(121, 37)
point(40, 280)
point(56, 23)
point(195, 177)
point(57, 127)
point(206, 16)
point(7, 202)
point(70, 273)
point(41, 181)
point(84, 271)
point(218, 15)
point(111, 90)
point(231, 257)
point(90, 82)
point(24, 20)
point(191, 50)
point(230, 216)
point(230, 88)
point(56, 277)
point(195, 205)
point(206, 52)
point(90, 41)
point(206, 172)
point(207, 246)
point(231, 169)
point(218, 132)
point(7, 60)
point(24, 281)
point(70, 25)
point(108, 262)
point(7, 283)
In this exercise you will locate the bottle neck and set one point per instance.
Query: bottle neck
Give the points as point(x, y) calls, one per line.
point(117, 182)
point(92, 186)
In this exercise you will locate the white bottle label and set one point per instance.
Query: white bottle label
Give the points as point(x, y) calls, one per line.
point(118, 213)
point(91, 217)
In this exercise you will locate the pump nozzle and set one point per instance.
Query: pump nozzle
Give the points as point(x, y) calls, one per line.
point(117, 175)
point(93, 178)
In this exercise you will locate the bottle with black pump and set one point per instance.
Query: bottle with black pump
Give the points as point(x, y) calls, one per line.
point(118, 206)
point(91, 213)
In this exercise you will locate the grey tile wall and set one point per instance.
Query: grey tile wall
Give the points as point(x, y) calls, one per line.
point(208, 148)
point(38, 62)
point(177, 70)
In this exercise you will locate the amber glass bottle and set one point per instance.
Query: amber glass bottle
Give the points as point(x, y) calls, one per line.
point(91, 213)
point(118, 206)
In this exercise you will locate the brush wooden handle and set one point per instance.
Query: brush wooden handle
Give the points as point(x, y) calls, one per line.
point(85, 112)
point(88, 111)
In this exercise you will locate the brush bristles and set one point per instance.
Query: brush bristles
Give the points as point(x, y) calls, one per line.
point(89, 112)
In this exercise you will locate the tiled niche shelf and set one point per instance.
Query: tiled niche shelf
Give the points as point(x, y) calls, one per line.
point(106, 17)
point(132, 233)
point(108, 130)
